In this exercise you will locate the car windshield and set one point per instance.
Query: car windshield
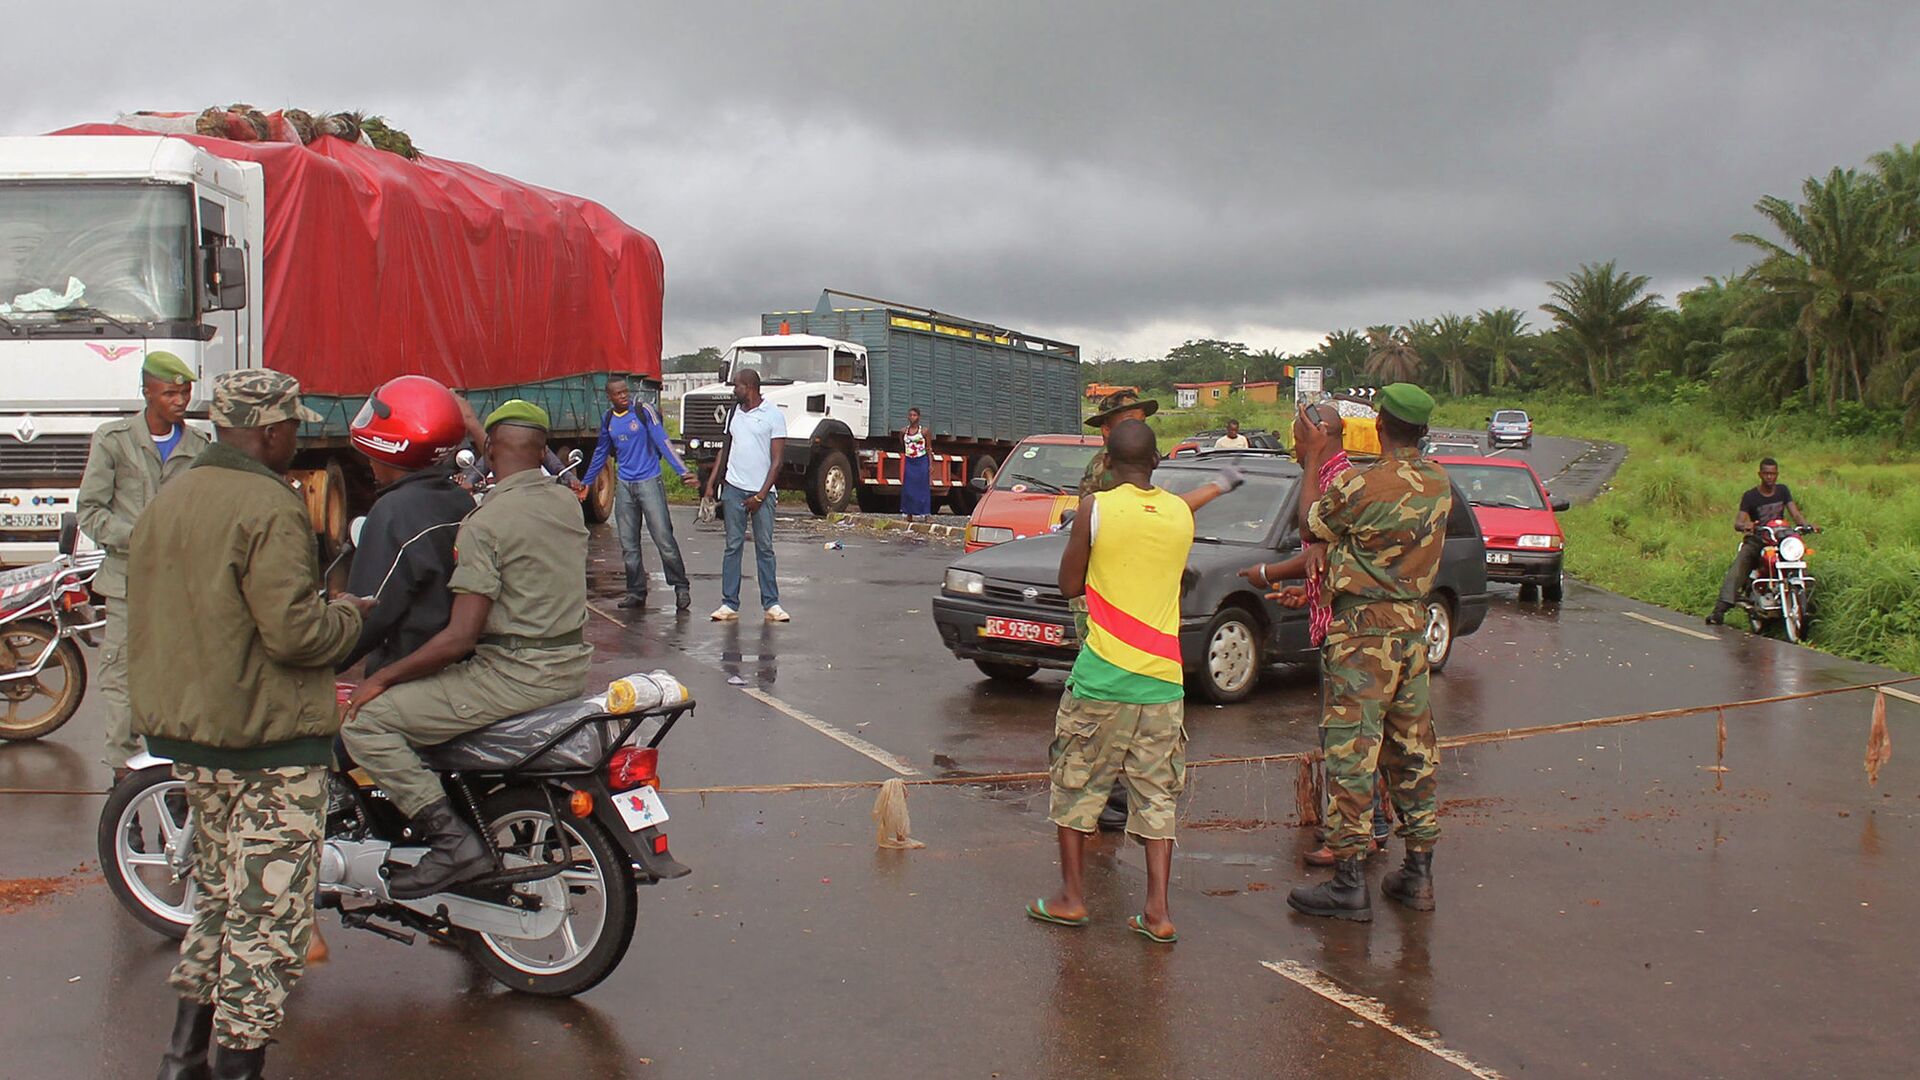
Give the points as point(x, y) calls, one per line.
point(1510, 417)
point(114, 250)
point(807, 364)
point(1048, 468)
point(1498, 485)
point(1242, 516)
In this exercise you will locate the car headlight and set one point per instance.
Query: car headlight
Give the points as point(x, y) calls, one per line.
point(988, 534)
point(965, 583)
point(1536, 540)
point(1793, 549)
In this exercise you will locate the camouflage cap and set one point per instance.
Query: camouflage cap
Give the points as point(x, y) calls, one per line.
point(257, 397)
point(520, 412)
point(165, 367)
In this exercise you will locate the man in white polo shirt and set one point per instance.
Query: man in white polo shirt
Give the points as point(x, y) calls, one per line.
point(744, 475)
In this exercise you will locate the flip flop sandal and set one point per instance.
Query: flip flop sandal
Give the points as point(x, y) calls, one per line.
point(1138, 924)
point(1038, 910)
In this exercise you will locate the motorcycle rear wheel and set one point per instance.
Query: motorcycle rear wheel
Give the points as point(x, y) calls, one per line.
point(601, 903)
point(31, 708)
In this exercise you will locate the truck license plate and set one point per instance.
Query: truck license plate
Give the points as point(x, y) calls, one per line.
point(1022, 630)
point(29, 521)
point(1498, 558)
point(641, 808)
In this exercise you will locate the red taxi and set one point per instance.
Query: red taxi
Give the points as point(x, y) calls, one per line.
point(1039, 481)
point(1517, 519)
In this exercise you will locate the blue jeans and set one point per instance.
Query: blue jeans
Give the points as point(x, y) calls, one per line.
point(733, 507)
point(644, 502)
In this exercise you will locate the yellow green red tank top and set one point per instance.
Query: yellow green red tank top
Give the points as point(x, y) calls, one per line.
point(1140, 545)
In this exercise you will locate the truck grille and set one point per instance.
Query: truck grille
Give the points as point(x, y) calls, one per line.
point(49, 457)
point(703, 416)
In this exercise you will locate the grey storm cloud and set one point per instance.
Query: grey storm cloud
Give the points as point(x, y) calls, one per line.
point(1103, 168)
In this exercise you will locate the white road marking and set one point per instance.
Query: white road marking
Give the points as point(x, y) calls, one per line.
point(1891, 691)
point(1368, 1009)
point(844, 738)
point(1670, 626)
point(1497, 453)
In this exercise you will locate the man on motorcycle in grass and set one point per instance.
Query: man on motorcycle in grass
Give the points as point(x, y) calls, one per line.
point(1771, 501)
point(408, 429)
point(513, 643)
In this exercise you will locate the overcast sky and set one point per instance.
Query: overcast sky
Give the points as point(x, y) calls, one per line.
point(1121, 175)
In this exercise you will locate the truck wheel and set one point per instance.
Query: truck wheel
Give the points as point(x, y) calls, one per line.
point(830, 485)
point(964, 497)
point(599, 503)
point(1003, 671)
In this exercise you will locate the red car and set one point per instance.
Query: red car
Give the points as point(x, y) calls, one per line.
point(1517, 519)
point(1037, 483)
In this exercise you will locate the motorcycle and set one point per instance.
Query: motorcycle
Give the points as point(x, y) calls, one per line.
point(1780, 590)
point(44, 609)
point(566, 798)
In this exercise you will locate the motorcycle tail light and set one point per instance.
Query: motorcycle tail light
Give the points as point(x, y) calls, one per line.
point(634, 767)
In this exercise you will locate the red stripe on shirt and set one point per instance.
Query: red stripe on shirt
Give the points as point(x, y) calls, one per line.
point(1130, 630)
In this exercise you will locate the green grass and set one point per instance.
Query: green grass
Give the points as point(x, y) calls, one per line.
point(1663, 533)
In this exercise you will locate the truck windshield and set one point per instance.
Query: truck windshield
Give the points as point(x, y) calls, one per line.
point(113, 249)
point(775, 365)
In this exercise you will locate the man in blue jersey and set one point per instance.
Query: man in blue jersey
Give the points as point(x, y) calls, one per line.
point(633, 434)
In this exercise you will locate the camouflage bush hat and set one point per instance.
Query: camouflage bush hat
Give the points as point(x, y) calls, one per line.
point(1122, 399)
point(257, 397)
point(519, 412)
point(1407, 402)
point(167, 368)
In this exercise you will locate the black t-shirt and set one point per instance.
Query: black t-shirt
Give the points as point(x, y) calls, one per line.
point(1761, 509)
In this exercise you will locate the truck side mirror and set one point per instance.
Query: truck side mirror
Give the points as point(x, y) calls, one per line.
point(226, 278)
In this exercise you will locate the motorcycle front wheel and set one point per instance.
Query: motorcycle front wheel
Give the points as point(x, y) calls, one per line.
point(599, 887)
point(37, 705)
point(1793, 615)
point(146, 850)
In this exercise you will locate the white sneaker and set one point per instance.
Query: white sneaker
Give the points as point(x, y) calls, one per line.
point(723, 613)
point(776, 613)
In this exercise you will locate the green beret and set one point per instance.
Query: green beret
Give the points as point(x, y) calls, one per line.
point(1406, 401)
point(167, 368)
point(516, 411)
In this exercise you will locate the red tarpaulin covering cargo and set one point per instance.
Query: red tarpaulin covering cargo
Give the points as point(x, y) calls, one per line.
point(377, 265)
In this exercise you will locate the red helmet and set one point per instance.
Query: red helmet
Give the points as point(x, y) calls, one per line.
point(409, 422)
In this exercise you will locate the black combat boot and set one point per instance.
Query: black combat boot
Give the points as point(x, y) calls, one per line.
point(1344, 897)
point(1719, 616)
point(1412, 884)
point(186, 1056)
point(231, 1064)
point(458, 854)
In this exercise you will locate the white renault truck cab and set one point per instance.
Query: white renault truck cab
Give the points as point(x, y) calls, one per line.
point(110, 247)
point(819, 385)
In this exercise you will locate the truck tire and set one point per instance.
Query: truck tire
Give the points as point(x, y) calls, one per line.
point(599, 503)
point(830, 484)
point(964, 498)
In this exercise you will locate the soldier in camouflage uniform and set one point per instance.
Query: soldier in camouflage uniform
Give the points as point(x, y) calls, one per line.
point(126, 465)
point(230, 655)
point(1384, 527)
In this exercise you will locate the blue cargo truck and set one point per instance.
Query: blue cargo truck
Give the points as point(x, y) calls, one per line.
point(846, 376)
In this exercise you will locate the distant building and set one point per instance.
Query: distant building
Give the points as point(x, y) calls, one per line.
point(676, 384)
point(1267, 392)
point(1207, 395)
point(1096, 391)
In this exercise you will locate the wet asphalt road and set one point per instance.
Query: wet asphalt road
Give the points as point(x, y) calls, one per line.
point(1603, 911)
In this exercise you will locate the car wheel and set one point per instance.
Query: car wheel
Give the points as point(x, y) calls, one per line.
point(1439, 632)
point(1231, 667)
point(1005, 671)
point(1551, 592)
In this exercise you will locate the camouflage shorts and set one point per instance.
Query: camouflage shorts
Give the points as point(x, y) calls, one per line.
point(256, 862)
point(1099, 743)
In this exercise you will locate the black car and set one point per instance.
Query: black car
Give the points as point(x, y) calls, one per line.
point(1001, 607)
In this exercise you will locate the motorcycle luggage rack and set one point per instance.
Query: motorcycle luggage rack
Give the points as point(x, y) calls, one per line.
point(629, 723)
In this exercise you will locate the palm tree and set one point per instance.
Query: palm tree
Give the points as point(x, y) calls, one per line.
point(1344, 351)
point(1602, 309)
point(1391, 356)
point(1500, 333)
point(1450, 338)
point(1833, 271)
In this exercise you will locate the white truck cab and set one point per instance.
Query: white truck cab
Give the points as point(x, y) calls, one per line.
point(110, 247)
